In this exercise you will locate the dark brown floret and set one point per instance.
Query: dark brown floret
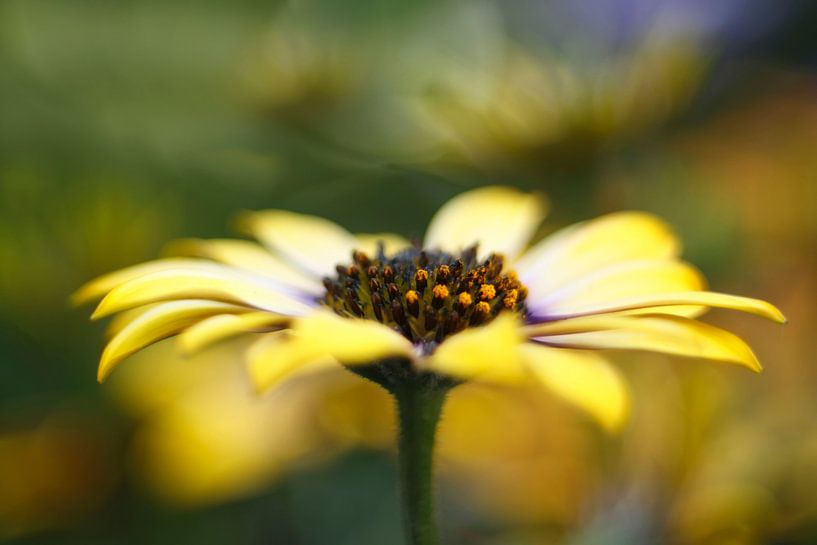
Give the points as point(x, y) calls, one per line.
point(481, 312)
point(425, 295)
point(413, 303)
point(388, 273)
point(464, 301)
point(421, 280)
point(361, 258)
point(439, 295)
point(443, 273)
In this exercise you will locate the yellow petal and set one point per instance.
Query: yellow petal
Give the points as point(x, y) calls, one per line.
point(666, 334)
point(370, 243)
point(246, 255)
point(215, 282)
point(223, 326)
point(154, 325)
point(627, 279)
point(322, 338)
point(350, 340)
point(586, 247)
point(501, 219)
point(121, 320)
point(582, 378)
point(487, 353)
point(654, 303)
point(277, 357)
point(97, 288)
point(314, 244)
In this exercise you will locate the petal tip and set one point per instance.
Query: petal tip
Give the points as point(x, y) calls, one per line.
point(187, 347)
point(110, 359)
point(244, 221)
point(615, 424)
point(257, 382)
point(616, 417)
point(78, 298)
point(183, 247)
point(102, 310)
point(774, 314)
point(103, 371)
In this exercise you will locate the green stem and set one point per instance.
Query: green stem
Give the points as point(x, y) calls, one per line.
point(419, 408)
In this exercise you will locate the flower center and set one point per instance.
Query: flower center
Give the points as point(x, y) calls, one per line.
point(425, 295)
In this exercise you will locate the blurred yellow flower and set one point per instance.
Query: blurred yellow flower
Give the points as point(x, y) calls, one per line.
point(203, 436)
point(470, 304)
point(538, 107)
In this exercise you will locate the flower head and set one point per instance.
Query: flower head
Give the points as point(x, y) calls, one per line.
point(427, 296)
point(471, 303)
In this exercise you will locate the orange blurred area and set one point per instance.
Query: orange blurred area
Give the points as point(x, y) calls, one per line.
point(52, 474)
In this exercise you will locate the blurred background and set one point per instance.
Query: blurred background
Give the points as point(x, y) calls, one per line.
point(126, 124)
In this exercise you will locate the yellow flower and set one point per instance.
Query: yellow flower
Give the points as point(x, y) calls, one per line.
point(471, 304)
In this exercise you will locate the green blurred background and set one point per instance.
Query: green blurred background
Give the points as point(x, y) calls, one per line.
point(126, 124)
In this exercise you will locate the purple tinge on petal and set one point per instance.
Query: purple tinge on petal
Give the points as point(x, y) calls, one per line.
point(307, 299)
point(540, 316)
point(300, 295)
point(546, 342)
